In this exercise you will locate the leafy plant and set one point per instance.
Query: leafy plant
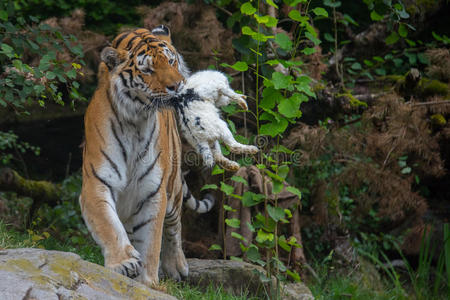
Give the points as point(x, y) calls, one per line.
point(280, 86)
point(11, 148)
point(48, 75)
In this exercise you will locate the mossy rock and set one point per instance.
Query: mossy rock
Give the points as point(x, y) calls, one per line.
point(41, 274)
point(425, 87)
point(237, 276)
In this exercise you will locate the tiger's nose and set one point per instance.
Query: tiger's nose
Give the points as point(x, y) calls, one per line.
point(173, 88)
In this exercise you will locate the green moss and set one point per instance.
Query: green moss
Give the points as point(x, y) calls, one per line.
point(438, 119)
point(352, 100)
point(62, 267)
point(421, 7)
point(393, 78)
point(433, 87)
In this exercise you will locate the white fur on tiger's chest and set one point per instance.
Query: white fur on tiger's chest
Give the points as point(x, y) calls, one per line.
point(141, 170)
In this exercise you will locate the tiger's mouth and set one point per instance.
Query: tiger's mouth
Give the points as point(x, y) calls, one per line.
point(156, 101)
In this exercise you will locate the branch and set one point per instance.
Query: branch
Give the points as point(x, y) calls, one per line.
point(40, 191)
point(432, 103)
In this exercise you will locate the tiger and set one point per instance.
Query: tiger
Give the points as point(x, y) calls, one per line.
point(132, 187)
point(200, 121)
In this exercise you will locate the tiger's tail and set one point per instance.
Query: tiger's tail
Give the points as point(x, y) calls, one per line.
point(200, 206)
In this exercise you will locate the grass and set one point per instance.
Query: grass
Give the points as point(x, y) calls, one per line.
point(187, 292)
point(420, 285)
point(337, 288)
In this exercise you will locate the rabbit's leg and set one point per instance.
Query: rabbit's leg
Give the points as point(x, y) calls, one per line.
point(222, 160)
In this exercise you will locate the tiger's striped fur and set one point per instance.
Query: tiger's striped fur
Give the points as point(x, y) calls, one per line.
point(132, 183)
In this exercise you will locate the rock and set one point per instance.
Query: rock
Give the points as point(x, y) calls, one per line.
point(46, 275)
point(236, 277)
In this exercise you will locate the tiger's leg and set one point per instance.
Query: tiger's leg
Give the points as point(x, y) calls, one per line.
point(99, 213)
point(146, 231)
point(173, 261)
point(222, 160)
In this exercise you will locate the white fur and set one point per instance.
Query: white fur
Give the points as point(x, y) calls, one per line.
point(200, 120)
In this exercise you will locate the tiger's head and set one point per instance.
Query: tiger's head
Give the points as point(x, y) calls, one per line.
point(145, 69)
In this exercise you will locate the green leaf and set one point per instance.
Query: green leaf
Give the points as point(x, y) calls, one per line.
point(18, 64)
point(39, 89)
point(50, 75)
point(380, 71)
point(403, 30)
point(273, 128)
point(240, 66)
point(378, 59)
point(248, 31)
point(261, 19)
point(8, 50)
point(272, 22)
point(320, 11)
point(331, 3)
point(238, 236)
point(356, 66)
point(281, 81)
point(290, 107)
point(271, 3)
point(392, 38)
point(215, 247)
point(247, 8)
point(375, 16)
point(328, 37)
point(297, 16)
point(276, 213)
point(368, 63)
point(277, 187)
point(234, 223)
point(270, 97)
point(262, 37)
point(294, 191)
point(283, 171)
point(403, 14)
point(406, 170)
point(228, 208)
point(309, 51)
point(253, 254)
point(227, 189)
point(283, 41)
point(313, 38)
point(3, 15)
point(72, 74)
point(284, 244)
point(263, 236)
point(209, 187)
point(350, 20)
point(217, 170)
point(293, 3)
point(294, 275)
point(239, 179)
point(251, 199)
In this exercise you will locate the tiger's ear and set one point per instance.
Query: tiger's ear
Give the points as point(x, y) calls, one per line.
point(113, 57)
point(162, 32)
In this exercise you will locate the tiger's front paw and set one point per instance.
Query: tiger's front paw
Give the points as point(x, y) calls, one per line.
point(131, 266)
